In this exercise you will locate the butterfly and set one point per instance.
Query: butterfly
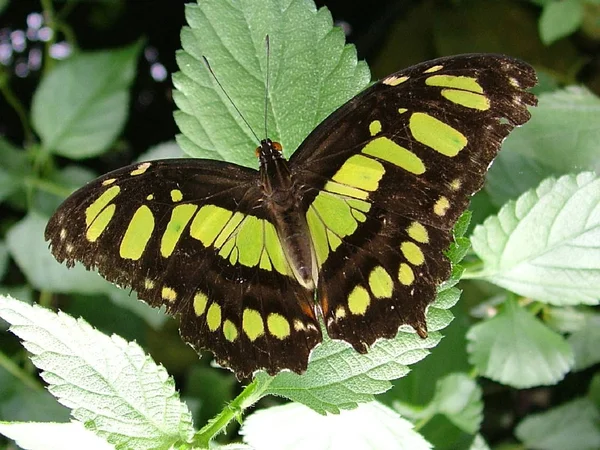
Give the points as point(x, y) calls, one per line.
point(346, 237)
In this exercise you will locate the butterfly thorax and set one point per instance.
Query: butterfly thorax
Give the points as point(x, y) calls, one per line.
point(281, 200)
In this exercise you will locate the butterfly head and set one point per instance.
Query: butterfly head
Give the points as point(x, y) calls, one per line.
point(275, 174)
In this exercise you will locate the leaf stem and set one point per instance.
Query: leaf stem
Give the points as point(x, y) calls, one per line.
point(234, 410)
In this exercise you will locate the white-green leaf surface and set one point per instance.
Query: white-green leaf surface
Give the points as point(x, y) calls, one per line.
point(585, 342)
point(517, 349)
point(573, 425)
point(296, 427)
point(563, 132)
point(311, 73)
point(458, 397)
point(546, 244)
point(53, 436)
point(110, 385)
point(80, 107)
point(340, 378)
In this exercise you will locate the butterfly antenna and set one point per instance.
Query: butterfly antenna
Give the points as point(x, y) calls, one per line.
point(268, 49)
point(229, 98)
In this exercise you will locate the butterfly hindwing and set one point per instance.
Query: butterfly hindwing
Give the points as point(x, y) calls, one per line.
point(386, 177)
point(192, 235)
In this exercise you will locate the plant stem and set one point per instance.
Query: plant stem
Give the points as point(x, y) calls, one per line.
point(250, 395)
point(51, 21)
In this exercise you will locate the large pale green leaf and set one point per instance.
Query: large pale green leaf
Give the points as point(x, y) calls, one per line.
point(340, 378)
point(563, 133)
point(546, 244)
point(80, 107)
point(517, 349)
point(311, 73)
point(53, 436)
point(110, 385)
point(585, 342)
point(296, 427)
point(573, 425)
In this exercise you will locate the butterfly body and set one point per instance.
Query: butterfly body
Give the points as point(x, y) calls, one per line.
point(347, 236)
point(282, 199)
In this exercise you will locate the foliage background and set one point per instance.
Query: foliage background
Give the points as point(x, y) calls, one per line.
point(563, 45)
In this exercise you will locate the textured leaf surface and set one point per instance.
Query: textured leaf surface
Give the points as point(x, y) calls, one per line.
point(573, 425)
point(545, 245)
point(516, 349)
point(585, 342)
point(81, 106)
point(311, 73)
point(295, 427)
point(340, 378)
point(53, 436)
point(110, 384)
point(563, 132)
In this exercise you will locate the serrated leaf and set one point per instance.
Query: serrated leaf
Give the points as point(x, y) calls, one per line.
point(53, 436)
point(573, 425)
point(293, 426)
point(110, 384)
point(585, 343)
point(562, 134)
point(560, 19)
point(517, 349)
point(340, 378)
point(311, 73)
point(458, 397)
point(546, 244)
point(81, 106)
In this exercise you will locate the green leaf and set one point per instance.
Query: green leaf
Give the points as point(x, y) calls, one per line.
point(53, 436)
point(3, 259)
point(546, 244)
point(293, 426)
point(80, 107)
point(560, 19)
point(594, 390)
point(13, 170)
point(458, 397)
point(339, 378)
point(102, 379)
point(479, 443)
point(311, 73)
point(563, 132)
point(565, 319)
point(166, 150)
point(504, 183)
point(573, 425)
point(25, 241)
point(585, 343)
point(516, 349)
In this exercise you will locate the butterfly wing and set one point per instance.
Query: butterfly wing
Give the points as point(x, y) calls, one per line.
point(386, 177)
point(192, 235)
